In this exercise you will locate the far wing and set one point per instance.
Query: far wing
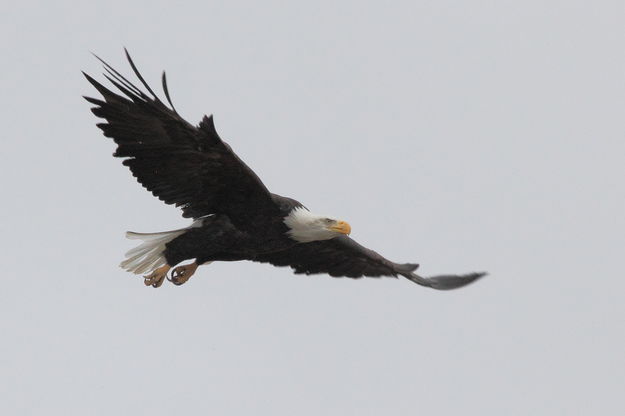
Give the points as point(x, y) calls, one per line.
point(179, 163)
point(344, 257)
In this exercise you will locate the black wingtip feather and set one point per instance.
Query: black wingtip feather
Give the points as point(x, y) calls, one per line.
point(129, 85)
point(119, 77)
point(447, 282)
point(101, 88)
point(126, 91)
point(90, 78)
point(94, 100)
point(164, 80)
point(136, 71)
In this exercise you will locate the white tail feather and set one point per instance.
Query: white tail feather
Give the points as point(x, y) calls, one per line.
point(149, 254)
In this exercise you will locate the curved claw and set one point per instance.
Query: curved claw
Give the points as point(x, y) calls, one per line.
point(181, 274)
point(177, 278)
point(171, 277)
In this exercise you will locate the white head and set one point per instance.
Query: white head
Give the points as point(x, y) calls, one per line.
point(304, 226)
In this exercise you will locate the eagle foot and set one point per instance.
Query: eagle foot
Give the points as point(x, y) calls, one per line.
point(156, 278)
point(181, 274)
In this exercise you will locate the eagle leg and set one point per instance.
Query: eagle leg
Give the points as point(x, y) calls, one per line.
point(181, 274)
point(156, 278)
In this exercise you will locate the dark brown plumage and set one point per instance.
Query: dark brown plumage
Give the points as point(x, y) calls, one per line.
point(236, 217)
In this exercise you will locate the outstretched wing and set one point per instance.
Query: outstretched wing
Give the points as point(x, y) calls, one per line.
point(180, 164)
point(342, 256)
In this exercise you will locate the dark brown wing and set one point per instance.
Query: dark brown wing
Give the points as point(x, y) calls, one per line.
point(180, 164)
point(343, 256)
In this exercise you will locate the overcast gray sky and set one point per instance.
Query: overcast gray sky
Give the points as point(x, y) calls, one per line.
point(465, 136)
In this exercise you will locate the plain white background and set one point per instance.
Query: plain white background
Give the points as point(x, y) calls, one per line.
point(464, 136)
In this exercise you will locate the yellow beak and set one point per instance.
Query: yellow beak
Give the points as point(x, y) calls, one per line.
point(341, 227)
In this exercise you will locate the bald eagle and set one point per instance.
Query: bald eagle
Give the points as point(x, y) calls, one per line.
point(235, 217)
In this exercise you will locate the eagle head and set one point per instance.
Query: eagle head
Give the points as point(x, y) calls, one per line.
point(304, 226)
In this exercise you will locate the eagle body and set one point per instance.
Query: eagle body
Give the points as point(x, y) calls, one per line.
point(235, 217)
point(217, 238)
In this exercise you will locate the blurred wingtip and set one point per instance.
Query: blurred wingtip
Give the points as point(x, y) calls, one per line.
point(448, 281)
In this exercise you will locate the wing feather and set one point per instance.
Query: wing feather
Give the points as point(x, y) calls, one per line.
point(344, 257)
point(181, 164)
